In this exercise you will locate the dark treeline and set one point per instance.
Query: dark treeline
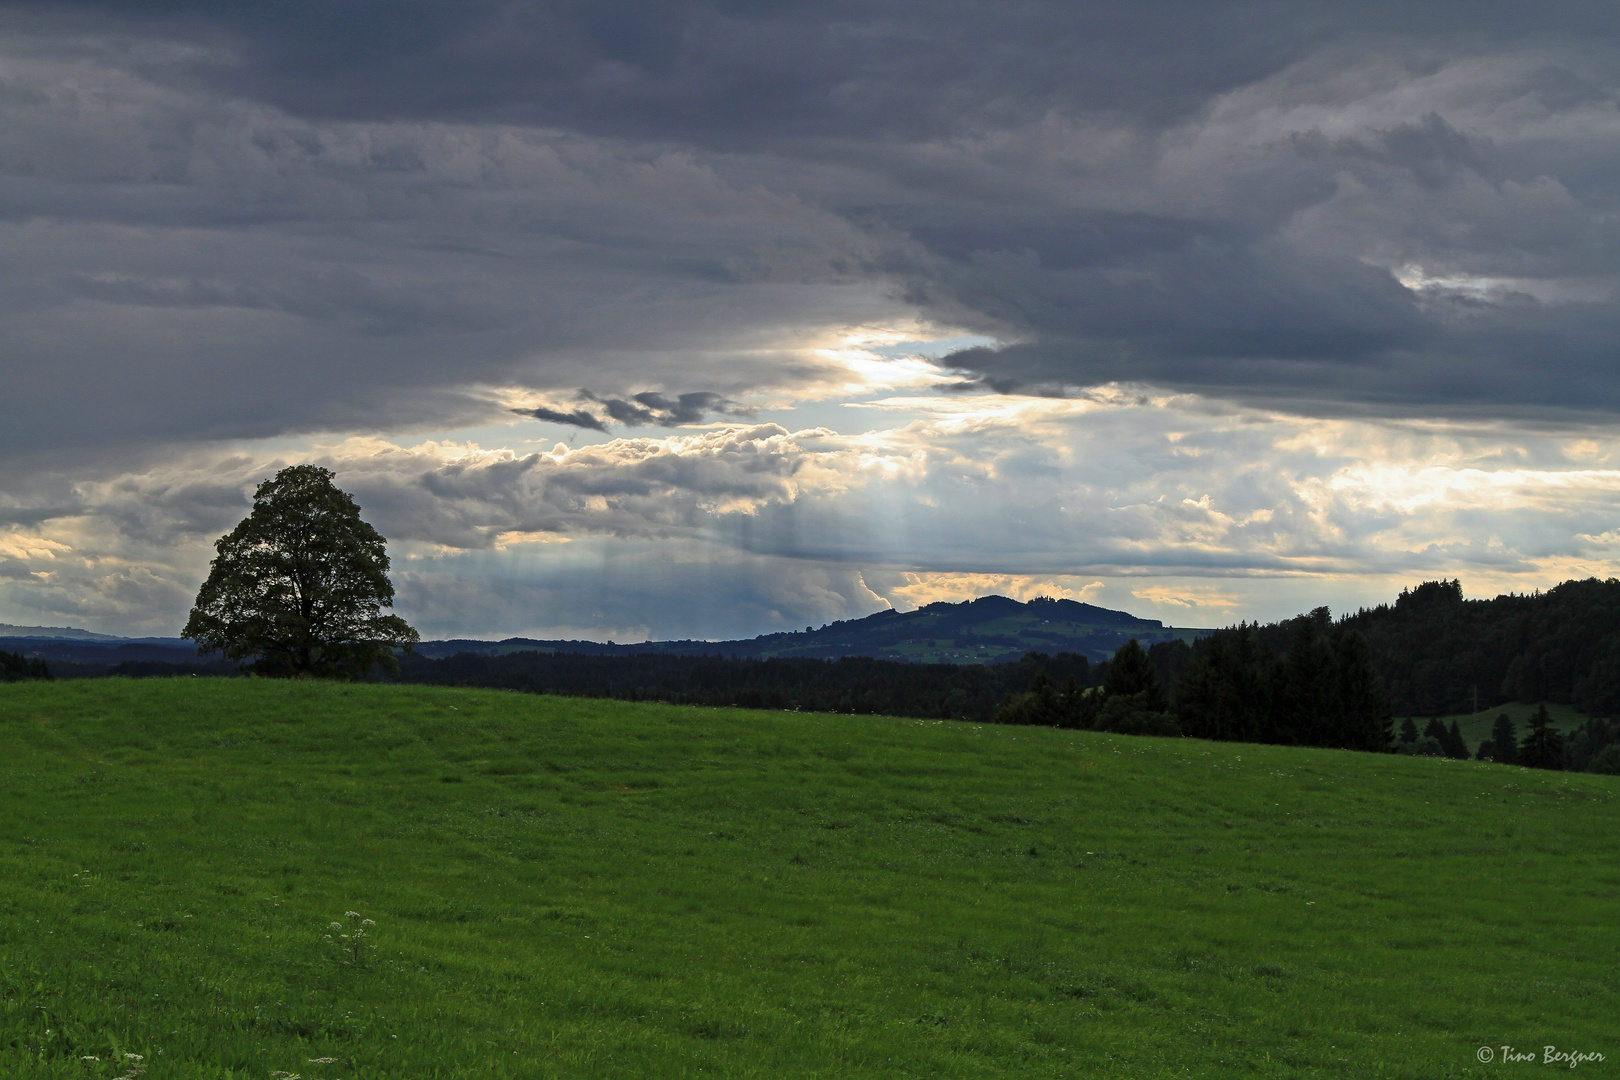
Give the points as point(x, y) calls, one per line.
point(15, 667)
point(1322, 689)
point(847, 685)
point(143, 669)
point(1435, 650)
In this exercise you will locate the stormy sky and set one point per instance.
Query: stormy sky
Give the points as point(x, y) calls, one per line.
point(687, 319)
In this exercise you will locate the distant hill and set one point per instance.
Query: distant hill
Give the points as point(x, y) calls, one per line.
point(989, 630)
point(54, 633)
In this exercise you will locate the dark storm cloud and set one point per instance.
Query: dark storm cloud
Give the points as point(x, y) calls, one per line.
point(726, 71)
point(224, 221)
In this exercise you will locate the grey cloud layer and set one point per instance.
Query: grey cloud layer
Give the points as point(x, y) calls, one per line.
point(179, 266)
point(246, 220)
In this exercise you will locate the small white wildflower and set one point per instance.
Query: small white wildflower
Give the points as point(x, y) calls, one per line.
point(135, 1057)
point(323, 1061)
point(337, 926)
point(89, 1057)
point(368, 922)
point(351, 914)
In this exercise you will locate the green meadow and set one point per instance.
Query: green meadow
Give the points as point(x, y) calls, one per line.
point(585, 888)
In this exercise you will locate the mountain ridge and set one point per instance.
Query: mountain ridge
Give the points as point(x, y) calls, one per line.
point(988, 629)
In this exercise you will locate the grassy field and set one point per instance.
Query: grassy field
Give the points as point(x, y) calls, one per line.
point(597, 889)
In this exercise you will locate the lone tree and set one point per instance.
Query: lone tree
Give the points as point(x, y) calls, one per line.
point(299, 585)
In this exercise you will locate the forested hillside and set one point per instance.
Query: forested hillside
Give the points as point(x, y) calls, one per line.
point(1434, 649)
point(989, 630)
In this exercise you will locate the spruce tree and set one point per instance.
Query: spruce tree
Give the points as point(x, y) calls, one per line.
point(1362, 720)
point(1504, 741)
point(1456, 746)
point(1543, 748)
point(1307, 701)
point(1131, 673)
point(1409, 732)
point(1223, 692)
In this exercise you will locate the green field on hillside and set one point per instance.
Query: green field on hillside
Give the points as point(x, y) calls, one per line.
point(576, 888)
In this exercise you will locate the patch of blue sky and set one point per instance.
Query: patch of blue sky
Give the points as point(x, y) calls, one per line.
point(936, 349)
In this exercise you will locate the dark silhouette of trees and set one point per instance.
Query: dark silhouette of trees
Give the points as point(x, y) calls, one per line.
point(15, 667)
point(1041, 705)
point(1589, 740)
point(1129, 700)
point(1323, 691)
point(1543, 748)
point(299, 585)
point(1225, 691)
point(1131, 673)
point(1437, 652)
point(1455, 745)
point(1504, 741)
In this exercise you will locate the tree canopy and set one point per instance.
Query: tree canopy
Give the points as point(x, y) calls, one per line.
point(299, 585)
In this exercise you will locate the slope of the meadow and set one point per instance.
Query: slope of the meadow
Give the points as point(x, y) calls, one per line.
point(592, 888)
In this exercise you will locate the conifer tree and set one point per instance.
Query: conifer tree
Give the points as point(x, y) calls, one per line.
point(1504, 741)
point(1363, 721)
point(1409, 732)
point(1131, 673)
point(1543, 748)
point(1224, 693)
point(1456, 746)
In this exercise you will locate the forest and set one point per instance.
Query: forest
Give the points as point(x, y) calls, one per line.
point(1435, 650)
